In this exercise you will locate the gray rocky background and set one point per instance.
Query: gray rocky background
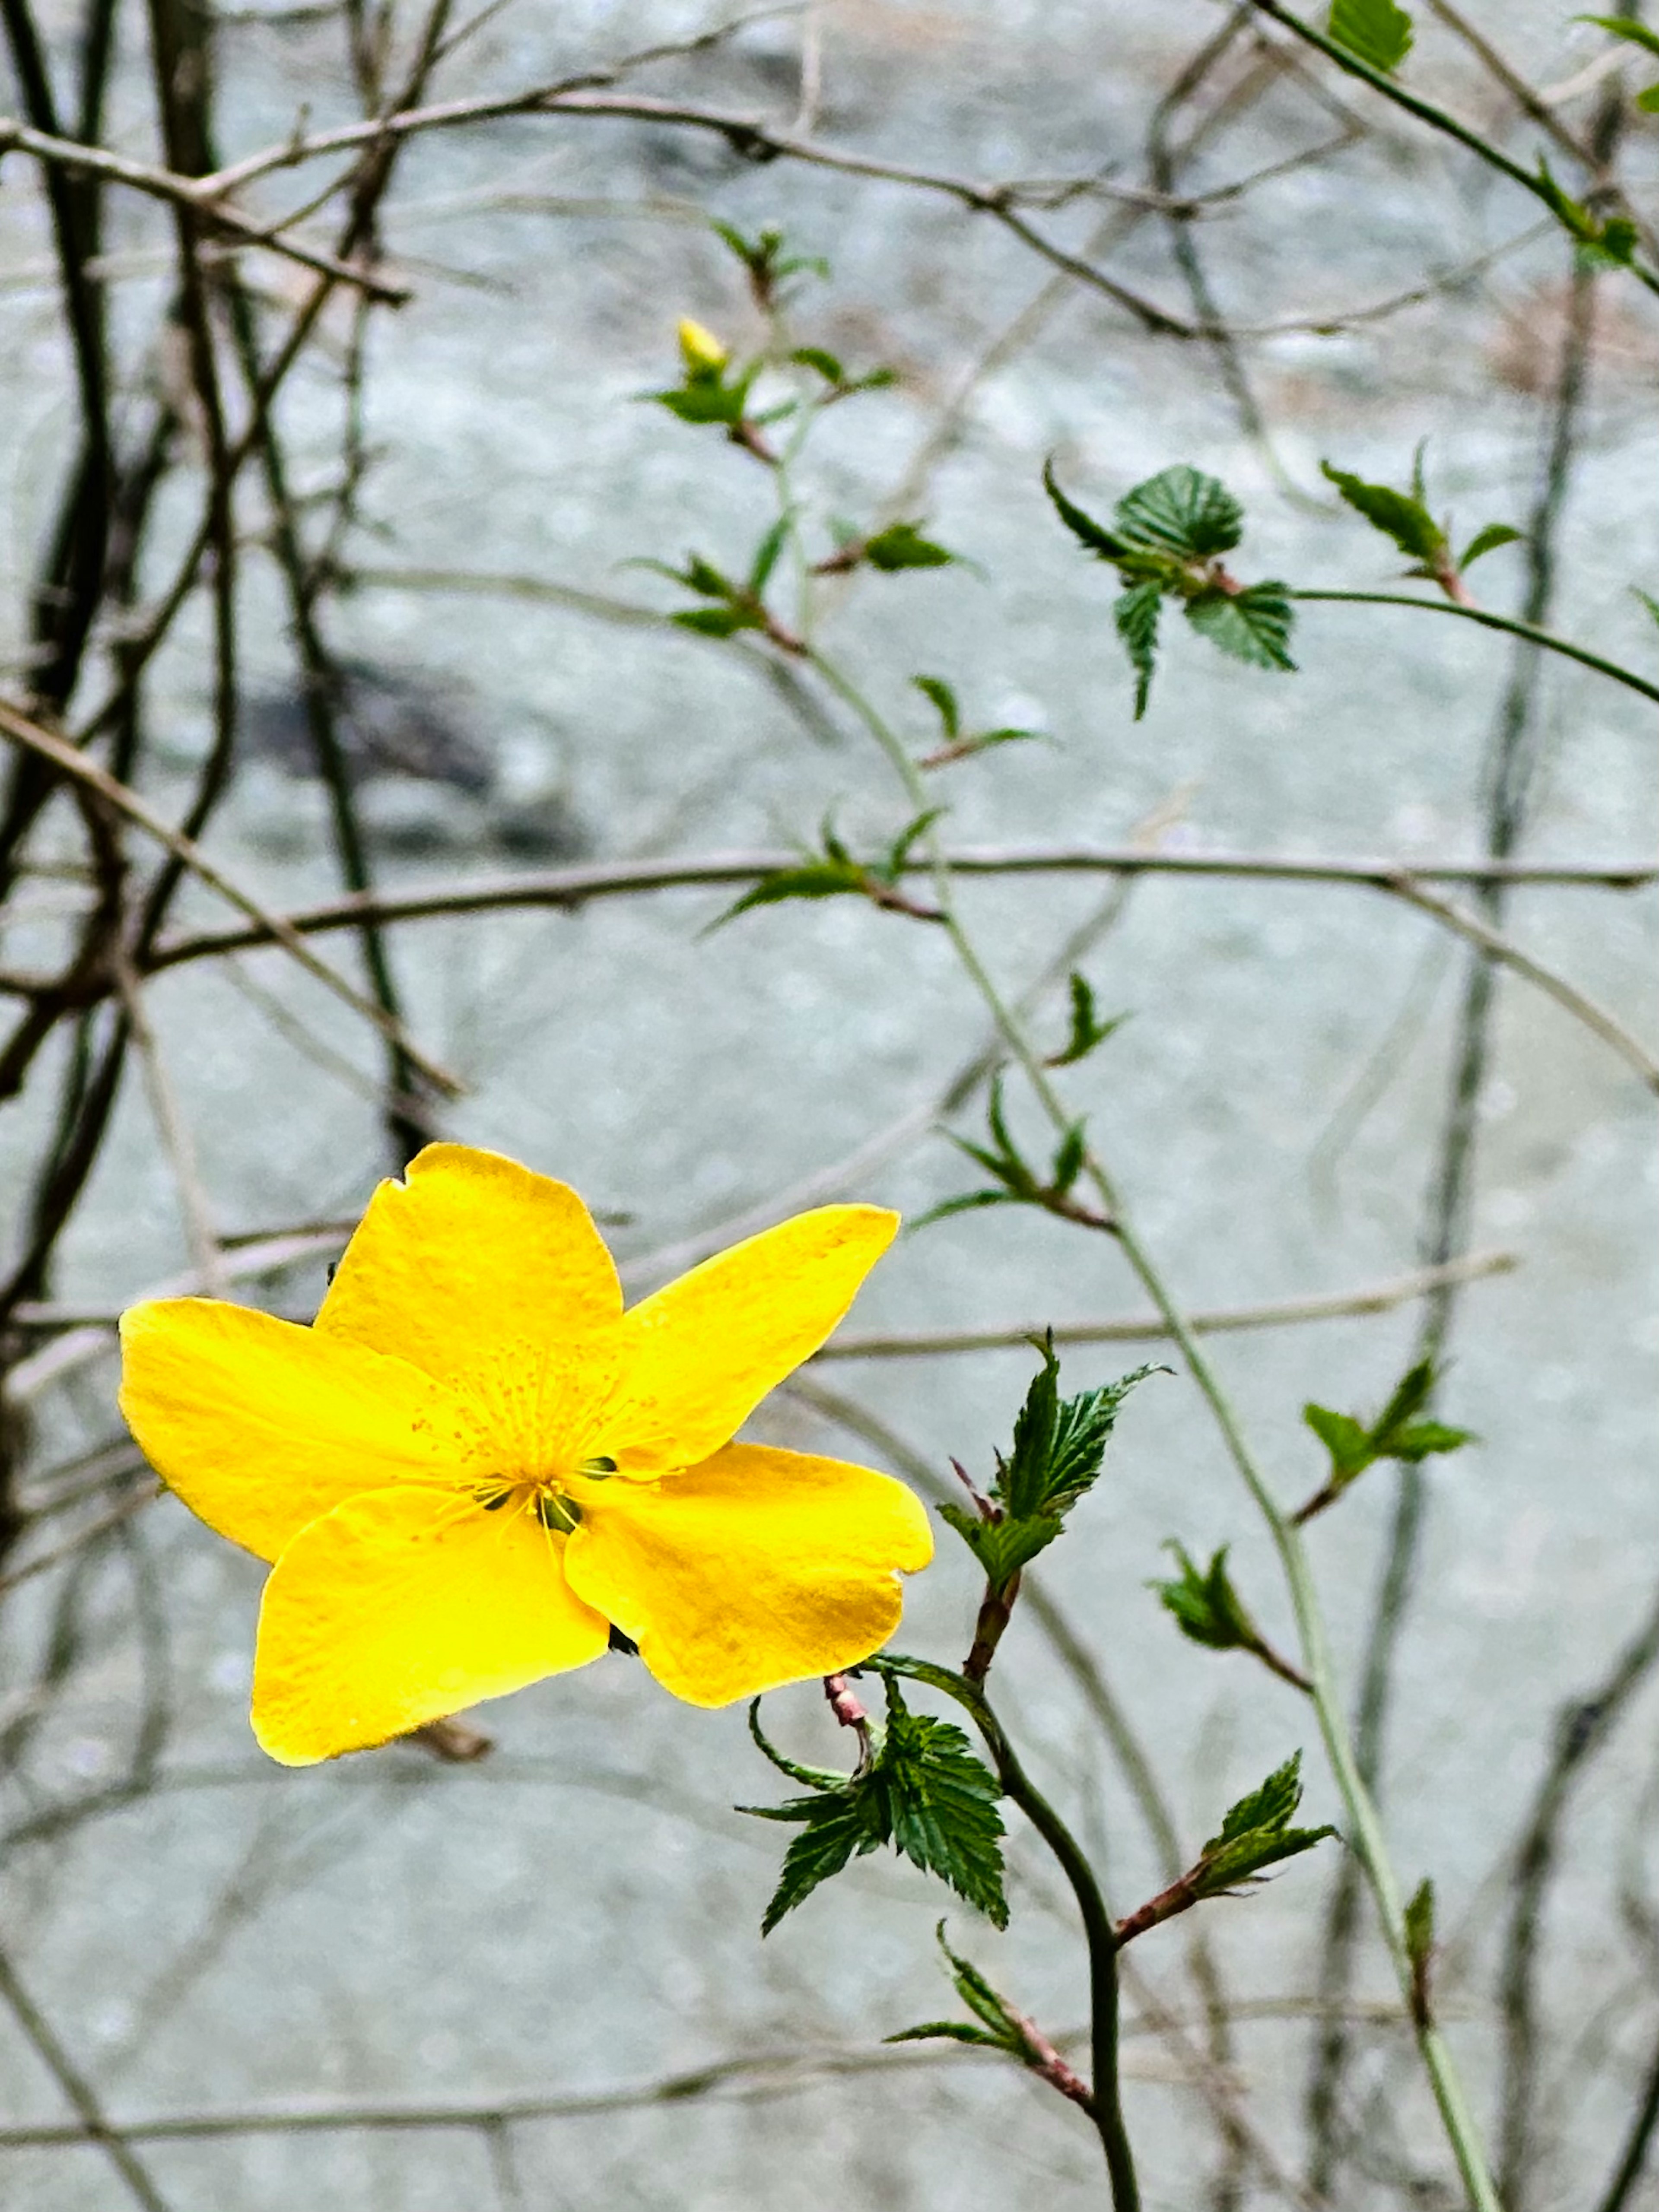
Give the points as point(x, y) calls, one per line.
point(574, 1916)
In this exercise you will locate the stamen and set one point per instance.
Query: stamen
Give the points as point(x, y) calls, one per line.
point(557, 1511)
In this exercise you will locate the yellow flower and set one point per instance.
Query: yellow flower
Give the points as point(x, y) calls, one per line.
point(699, 350)
point(476, 1463)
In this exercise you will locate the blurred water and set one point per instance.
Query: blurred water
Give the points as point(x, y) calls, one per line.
point(580, 1911)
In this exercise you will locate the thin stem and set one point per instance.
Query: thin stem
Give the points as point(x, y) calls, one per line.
point(1364, 1830)
point(1438, 119)
point(1546, 640)
point(1106, 2110)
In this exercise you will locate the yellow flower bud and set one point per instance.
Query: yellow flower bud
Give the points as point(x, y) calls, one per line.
point(701, 351)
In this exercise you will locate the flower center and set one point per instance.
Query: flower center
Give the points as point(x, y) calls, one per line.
point(545, 1495)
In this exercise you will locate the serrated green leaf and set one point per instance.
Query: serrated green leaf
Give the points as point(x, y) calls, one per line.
point(1005, 1547)
point(1092, 536)
point(1181, 511)
point(976, 1991)
point(902, 545)
point(838, 1830)
point(1245, 1858)
point(1252, 625)
point(1205, 1606)
point(1488, 541)
point(820, 358)
point(941, 1804)
point(944, 700)
point(1083, 1428)
point(1397, 514)
point(1022, 1484)
point(1269, 1806)
point(1136, 615)
point(1376, 30)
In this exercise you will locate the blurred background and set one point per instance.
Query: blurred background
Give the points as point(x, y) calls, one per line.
point(410, 652)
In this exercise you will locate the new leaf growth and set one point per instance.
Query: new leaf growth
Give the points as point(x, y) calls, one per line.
point(1396, 1433)
point(1059, 1447)
point(1016, 1182)
point(1405, 517)
point(996, 2026)
point(918, 1787)
point(1206, 1606)
point(1166, 541)
point(832, 871)
point(1255, 1835)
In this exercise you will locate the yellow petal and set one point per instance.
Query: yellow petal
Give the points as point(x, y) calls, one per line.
point(261, 1425)
point(470, 1249)
point(703, 1352)
point(401, 1606)
point(759, 1567)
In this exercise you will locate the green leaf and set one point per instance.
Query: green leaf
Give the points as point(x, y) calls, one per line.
point(898, 852)
point(838, 1830)
point(1183, 512)
point(1488, 541)
point(920, 1789)
point(1253, 624)
point(826, 363)
point(1397, 514)
point(1136, 615)
point(1601, 245)
point(942, 1805)
point(947, 2031)
point(705, 400)
point(1347, 1441)
point(1205, 1606)
point(1003, 1548)
point(1647, 102)
point(766, 557)
point(999, 2029)
point(1022, 1484)
point(945, 699)
point(902, 545)
point(717, 622)
point(1376, 30)
point(1419, 1926)
point(813, 879)
point(816, 1777)
point(1083, 1428)
point(1269, 1806)
point(1087, 1029)
point(1623, 26)
point(1424, 1439)
point(1256, 1834)
point(1648, 601)
point(1092, 536)
point(967, 1201)
point(1059, 1444)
